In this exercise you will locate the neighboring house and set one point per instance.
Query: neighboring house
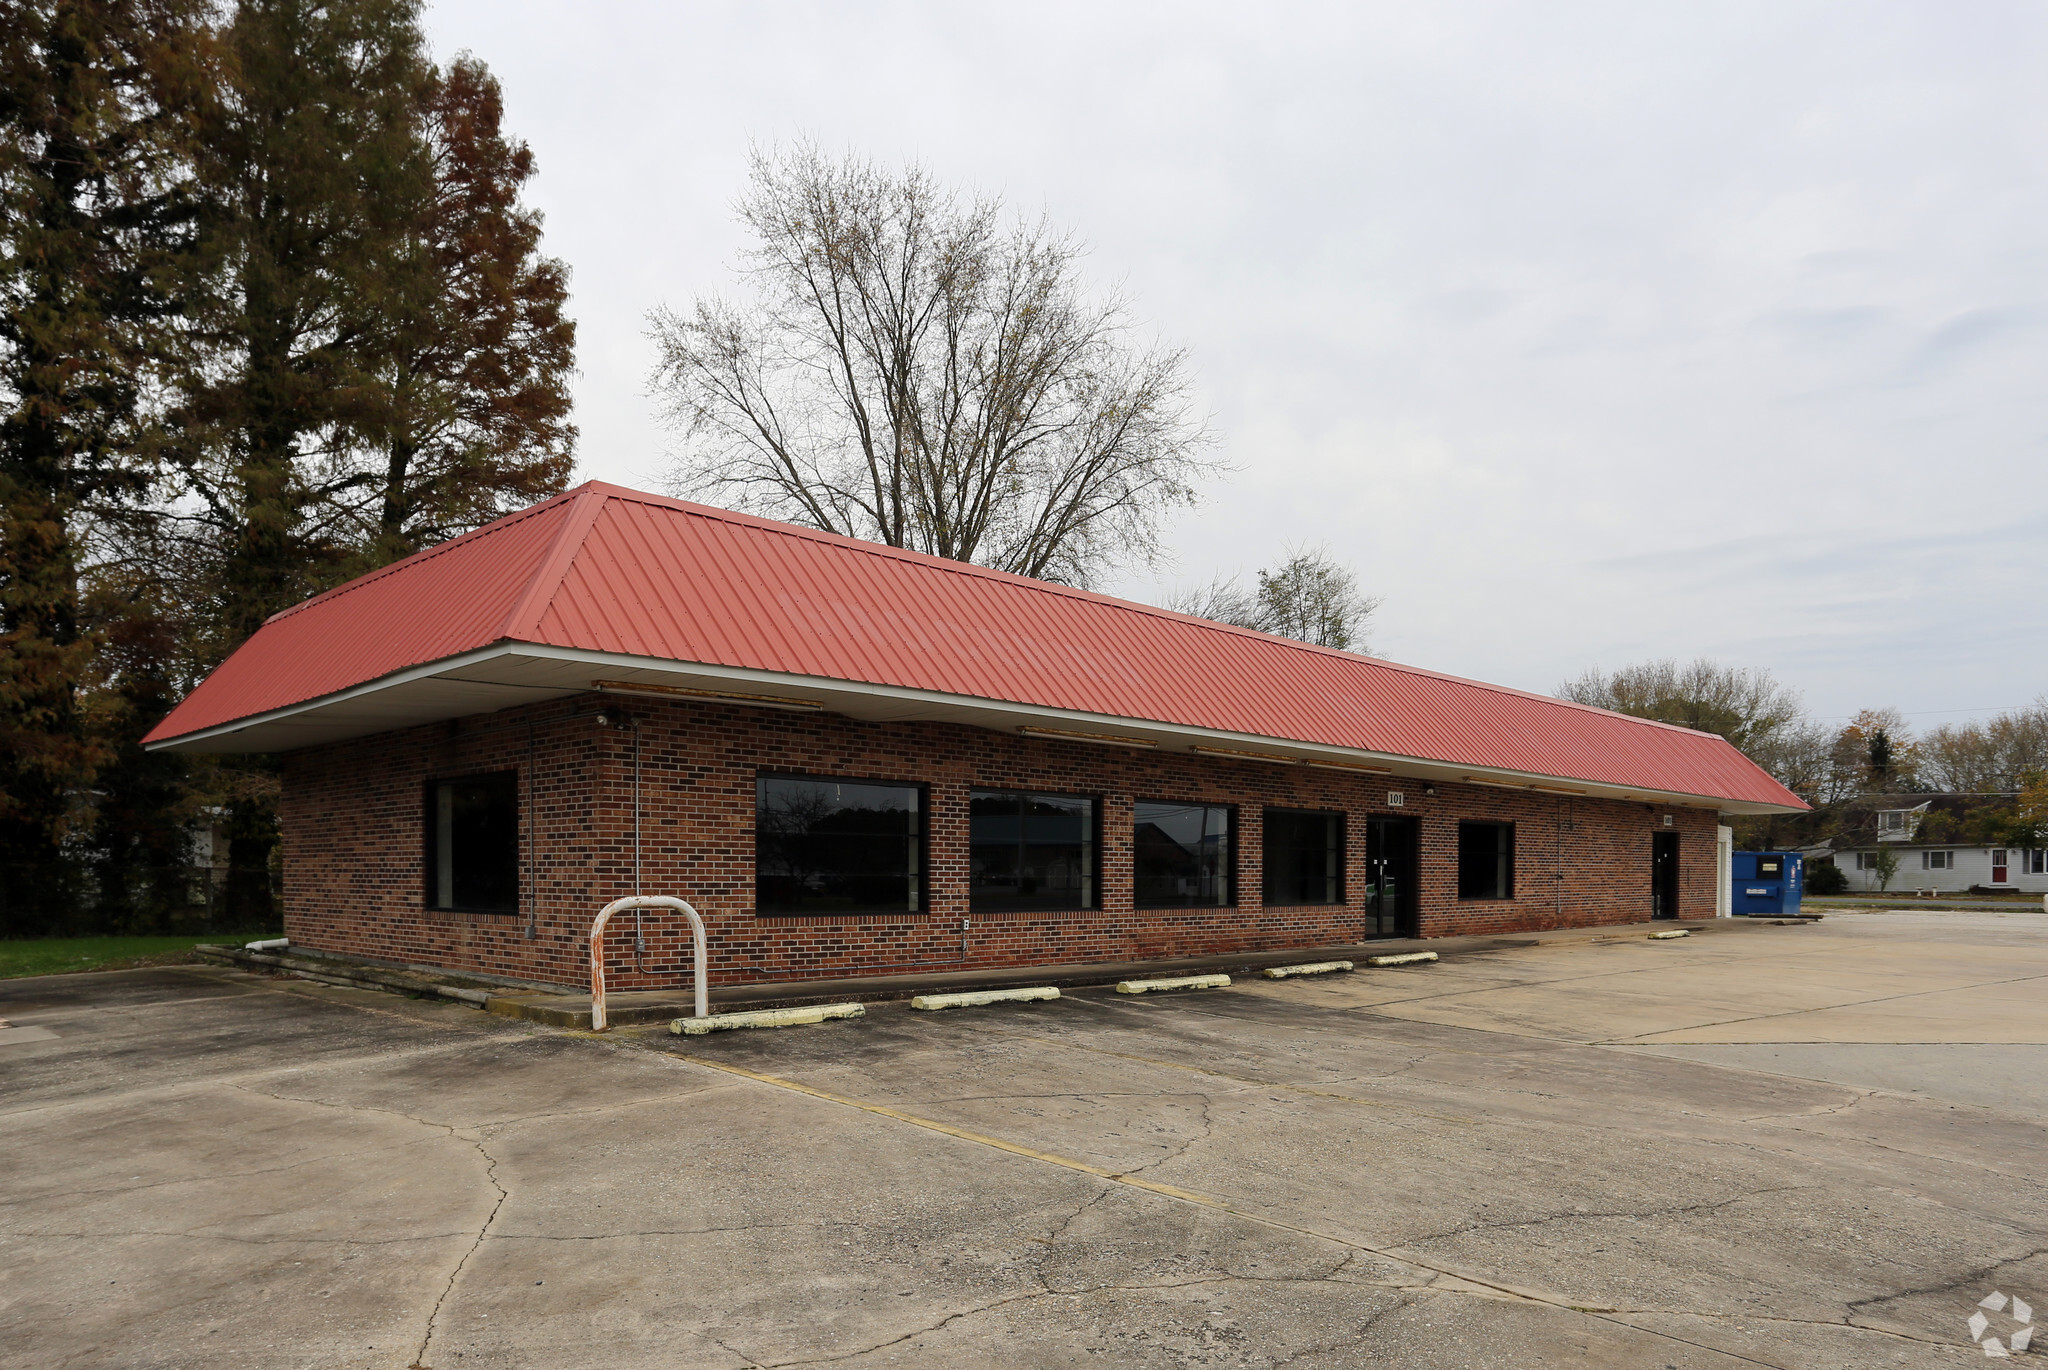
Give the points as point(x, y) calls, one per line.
point(857, 760)
point(1951, 868)
point(1901, 825)
point(1938, 845)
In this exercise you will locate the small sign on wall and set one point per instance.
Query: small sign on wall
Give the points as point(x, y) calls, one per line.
point(1395, 799)
point(1668, 820)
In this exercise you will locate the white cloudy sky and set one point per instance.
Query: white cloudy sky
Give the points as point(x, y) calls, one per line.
point(1585, 331)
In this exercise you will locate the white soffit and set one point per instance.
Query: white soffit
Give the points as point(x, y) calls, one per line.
point(511, 674)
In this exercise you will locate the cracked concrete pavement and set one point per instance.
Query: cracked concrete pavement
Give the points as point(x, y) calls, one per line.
point(1810, 1146)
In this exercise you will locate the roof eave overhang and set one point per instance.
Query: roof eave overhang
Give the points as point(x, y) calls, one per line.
point(507, 674)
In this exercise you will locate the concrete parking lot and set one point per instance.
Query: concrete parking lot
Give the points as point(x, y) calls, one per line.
point(1782, 1146)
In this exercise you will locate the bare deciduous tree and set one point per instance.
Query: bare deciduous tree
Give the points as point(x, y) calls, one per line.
point(914, 370)
point(1223, 600)
point(1995, 755)
point(1309, 597)
point(1748, 707)
point(1313, 599)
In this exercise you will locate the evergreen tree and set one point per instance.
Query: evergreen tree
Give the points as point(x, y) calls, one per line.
point(475, 369)
point(272, 313)
point(141, 844)
point(308, 167)
point(94, 96)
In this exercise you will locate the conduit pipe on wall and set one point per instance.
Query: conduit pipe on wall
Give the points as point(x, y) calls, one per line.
point(640, 901)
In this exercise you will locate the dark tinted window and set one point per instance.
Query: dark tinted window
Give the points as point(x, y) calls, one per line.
point(1304, 857)
point(1486, 860)
point(1030, 851)
point(472, 844)
point(837, 846)
point(1184, 855)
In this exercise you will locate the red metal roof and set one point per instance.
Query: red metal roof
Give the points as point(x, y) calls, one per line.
point(602, 568)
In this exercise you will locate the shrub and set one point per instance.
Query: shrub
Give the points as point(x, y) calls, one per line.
point(1825, 877)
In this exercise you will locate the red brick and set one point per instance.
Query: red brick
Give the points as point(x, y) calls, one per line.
point(354, 879)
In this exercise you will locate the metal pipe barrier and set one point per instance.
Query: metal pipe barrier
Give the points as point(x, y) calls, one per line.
point(640, 901)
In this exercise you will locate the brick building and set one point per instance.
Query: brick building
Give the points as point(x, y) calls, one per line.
point(853, 760)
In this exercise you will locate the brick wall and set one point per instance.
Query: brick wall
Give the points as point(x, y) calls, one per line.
point(354, 878)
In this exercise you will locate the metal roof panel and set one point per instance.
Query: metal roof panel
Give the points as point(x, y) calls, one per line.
point(602, 568)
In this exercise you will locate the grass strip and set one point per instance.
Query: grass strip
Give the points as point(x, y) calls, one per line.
point(69, 955)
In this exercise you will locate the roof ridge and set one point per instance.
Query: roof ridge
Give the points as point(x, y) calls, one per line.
point(522, 620)
point(968, 568)
point(496, 525)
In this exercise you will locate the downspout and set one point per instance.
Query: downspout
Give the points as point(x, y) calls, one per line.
point(1564, 823)
point(608, 718)
point(532, 837)
point(639, 936)
point(1724, 871)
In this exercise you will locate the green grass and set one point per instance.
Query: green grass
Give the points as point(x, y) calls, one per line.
point(62, 955)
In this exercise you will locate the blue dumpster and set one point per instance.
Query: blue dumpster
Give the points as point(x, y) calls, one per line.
point(1767, 882)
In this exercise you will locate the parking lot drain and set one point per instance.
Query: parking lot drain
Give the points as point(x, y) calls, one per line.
point(765, 1018)
point(977, 998)
point(1674, 932)
point(1311, 968)
point(1179, 982)
point(1406, 958)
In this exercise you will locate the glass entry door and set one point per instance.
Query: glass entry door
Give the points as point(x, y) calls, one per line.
point(1664, 875)
point(1390, 890)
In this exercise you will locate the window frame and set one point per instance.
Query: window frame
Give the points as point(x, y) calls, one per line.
point(1230, 864)
point(924, 845)
point(1340, 846)
point(430, 842)
point(1937, 860)
point(1091, 902)
point(1508, 893)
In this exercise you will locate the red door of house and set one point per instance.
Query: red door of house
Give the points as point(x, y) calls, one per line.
point(1998, 867)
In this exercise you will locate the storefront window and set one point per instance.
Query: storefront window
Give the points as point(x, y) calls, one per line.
point(838, 846)
point(1486, 860)
point(472, 844)
point(1304, 854)
point(1030, 851)
point(1184, 855)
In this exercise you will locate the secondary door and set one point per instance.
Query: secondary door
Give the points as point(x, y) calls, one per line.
point(1663, 875)
point(1391, 897)
point(2000, 871)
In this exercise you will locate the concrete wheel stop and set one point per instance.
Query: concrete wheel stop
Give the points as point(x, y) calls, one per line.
point(1032, 994)
point(765, 1018)
point(1309, 968)
point(1172, 982)
point(1406, 958)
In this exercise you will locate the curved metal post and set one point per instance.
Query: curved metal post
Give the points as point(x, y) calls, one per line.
point(639, 901)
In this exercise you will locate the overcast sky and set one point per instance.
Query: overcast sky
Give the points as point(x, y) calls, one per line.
point(1584, 332)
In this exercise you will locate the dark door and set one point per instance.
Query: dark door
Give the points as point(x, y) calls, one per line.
point(1391, 896)
point(1663, 875)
